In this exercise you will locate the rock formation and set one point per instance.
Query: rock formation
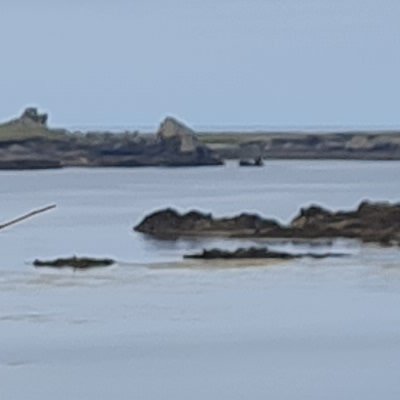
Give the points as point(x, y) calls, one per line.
point(371, 222)
point(173, 130)
point(75, 262)
point(170, 223)
point(367, 145)
point(180, 145)
point(26, 143)
point(256, 253)
point(32, 116)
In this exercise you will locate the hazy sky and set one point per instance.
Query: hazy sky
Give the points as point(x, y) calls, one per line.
point(209, 62)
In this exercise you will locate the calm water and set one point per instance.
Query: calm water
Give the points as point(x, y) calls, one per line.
point(149, 328)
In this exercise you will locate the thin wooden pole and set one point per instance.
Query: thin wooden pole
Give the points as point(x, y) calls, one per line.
point(26, 216)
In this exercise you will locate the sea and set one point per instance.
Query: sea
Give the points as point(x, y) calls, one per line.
point(156, 326)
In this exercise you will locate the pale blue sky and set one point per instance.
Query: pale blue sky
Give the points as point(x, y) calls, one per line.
point(220, 62)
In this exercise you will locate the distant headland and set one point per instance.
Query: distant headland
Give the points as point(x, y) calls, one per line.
point(28, 142)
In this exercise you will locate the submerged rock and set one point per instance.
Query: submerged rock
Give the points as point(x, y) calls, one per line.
point(75, 262)
point(371, 222)
point(255, 253)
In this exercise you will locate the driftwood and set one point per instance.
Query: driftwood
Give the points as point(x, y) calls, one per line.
point(26, 216)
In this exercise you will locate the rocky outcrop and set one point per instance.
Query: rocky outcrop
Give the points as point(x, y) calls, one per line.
point(170, 223)
point(371, 222)
point(173, 130)
point(174, 145)
point(75, 263)
point(368, 145)
point(256, 253)
point(29, 137)
point(180, 146)
point(30, 118)
point(26, 142)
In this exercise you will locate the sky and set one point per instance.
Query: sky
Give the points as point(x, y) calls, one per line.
point(278, 63)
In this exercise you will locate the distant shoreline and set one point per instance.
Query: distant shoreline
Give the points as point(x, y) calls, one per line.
point(377, 145)
point(28, 143)
point(237, 129)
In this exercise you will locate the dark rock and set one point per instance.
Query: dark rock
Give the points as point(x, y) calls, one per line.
point(371, 222)
point(170, 223)
point(255, 253)
point(27, 163)
point(258, 162)
point(75, 263)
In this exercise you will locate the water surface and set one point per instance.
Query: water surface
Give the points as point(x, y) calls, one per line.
point(151, 328)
